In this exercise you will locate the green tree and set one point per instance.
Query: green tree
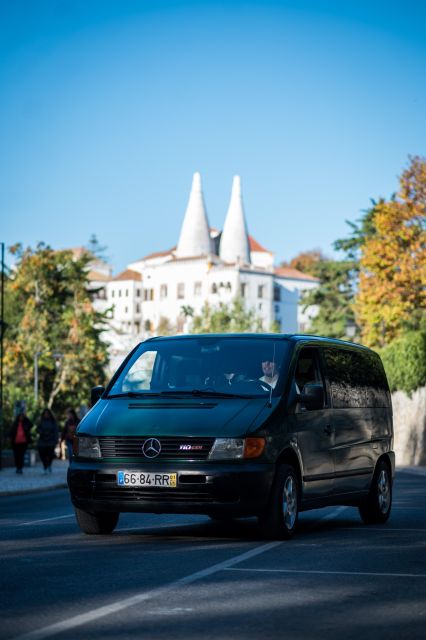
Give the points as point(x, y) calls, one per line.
point(334, 298)
point(224, 318)
point(164, 327)
point(53, 317)
point(405, 361)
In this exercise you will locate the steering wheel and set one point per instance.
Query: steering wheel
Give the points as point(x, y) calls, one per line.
point(260, 384)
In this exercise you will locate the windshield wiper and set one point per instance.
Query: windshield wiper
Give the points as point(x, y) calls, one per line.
point(176, 393)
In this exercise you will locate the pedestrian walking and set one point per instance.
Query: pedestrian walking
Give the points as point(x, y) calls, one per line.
point(70, 426)
point(20, 438)
point(48, 434)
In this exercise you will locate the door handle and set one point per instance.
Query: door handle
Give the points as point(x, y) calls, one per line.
point(328, 430)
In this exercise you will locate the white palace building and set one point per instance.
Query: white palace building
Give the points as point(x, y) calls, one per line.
point(207, 265)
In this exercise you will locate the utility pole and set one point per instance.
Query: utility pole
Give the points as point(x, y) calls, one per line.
point(2, 329)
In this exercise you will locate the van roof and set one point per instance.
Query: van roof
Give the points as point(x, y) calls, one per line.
point(293, 337)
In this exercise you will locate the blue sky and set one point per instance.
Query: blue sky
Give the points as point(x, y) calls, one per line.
point(108, 107)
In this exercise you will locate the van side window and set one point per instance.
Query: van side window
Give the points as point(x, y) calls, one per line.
point(357, 379)
point(307, 372)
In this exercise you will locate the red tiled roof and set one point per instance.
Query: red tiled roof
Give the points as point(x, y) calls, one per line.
point(79, 252)
point(128, 274)
point(98, 276)
point(255, 246)
point(294, 274)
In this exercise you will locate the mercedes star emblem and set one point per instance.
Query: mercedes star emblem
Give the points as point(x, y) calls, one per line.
point(151, 448)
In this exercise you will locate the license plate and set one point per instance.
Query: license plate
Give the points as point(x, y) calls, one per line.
point(138, 479)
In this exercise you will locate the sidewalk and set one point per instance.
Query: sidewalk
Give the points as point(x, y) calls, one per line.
point(33, 479)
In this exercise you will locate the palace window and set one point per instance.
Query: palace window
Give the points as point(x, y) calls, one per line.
point(243, 289)
point(181, 290)
point(277, 294)
point(163, 291)
point(148, 294)
point(261, 291)
point(198, 288)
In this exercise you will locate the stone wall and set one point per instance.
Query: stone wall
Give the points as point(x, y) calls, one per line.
point(409, 421)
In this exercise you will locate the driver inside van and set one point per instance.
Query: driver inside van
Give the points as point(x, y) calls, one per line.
point(270, 373)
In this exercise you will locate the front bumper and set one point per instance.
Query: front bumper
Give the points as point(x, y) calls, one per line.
point(235, 489)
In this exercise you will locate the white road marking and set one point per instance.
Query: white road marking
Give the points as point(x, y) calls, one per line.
point(402, 508)
point(332, 573)
point(24, 524)
point(383, 529)
point(114, 607)
point(328, 516)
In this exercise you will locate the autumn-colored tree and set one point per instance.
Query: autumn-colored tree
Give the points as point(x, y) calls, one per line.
point(307, 261)
point(54, 323)
point(392, 285)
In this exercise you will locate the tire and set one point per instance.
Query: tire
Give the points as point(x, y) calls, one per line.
point(377, 507)
point(279, 521)
point(96, 523)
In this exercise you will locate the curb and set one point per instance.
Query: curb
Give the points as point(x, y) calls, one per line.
point(415, 471)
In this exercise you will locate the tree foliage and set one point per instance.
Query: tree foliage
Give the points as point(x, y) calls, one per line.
point(226, 319)
point(405, 361)
point(308, 261)
point(51, 315)
point(333, 297)
point(392, 284)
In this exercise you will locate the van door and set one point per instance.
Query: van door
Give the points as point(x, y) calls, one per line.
point(348, 372)
point(315, 437)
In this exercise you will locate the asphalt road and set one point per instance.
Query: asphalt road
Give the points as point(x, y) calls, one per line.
point(188, 577)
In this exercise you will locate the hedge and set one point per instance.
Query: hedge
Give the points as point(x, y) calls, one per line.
point(405, 362)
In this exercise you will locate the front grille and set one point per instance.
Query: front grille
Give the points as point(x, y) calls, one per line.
point(171, 448)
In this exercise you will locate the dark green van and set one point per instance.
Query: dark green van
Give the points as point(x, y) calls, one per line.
point(231, 425)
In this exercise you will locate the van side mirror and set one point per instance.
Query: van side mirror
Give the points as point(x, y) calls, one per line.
point(95, 394)
point(312, 396)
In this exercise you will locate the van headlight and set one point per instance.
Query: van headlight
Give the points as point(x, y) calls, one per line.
point(86, 447)
point(237, 448)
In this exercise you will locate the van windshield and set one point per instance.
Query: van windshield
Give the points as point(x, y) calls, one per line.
point(226, 367)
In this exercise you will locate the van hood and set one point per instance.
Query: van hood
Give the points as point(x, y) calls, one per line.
point(210, 417)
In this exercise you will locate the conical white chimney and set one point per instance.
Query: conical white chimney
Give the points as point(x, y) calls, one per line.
point(234, 243)
point(194, 239)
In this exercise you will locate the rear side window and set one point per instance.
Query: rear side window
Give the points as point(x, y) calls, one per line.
point(357, 378)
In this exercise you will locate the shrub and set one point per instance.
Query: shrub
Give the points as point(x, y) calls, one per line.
point(405, 361)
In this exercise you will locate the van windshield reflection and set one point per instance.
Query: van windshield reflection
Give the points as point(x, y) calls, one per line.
point(210, 367)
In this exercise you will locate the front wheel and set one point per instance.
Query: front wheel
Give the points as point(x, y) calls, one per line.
point(279, 521)
point(96, 523)
point(377, 507)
